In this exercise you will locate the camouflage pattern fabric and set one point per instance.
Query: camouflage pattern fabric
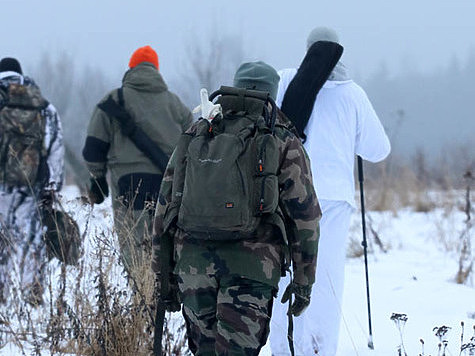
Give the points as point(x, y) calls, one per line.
point(259, 259)
point(296, 219)
point(53, 138)
point(21, 228)
point(225, 314)
point(22, 129)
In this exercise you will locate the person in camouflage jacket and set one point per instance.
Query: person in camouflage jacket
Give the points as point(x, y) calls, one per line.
point(135, 179)
point(227, 287)
point(22, 205)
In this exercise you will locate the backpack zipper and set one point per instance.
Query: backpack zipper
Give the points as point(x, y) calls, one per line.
point(243, 186)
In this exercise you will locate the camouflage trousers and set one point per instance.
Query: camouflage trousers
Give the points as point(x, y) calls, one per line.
point(226, 315)
point(23, 252)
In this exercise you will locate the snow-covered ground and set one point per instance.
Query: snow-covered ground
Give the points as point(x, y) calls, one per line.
point(415, 277)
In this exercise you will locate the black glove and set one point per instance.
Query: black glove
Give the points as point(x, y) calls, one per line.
point(98, 190)
point(172, 299)
point(46, 200)
point(302, 297)
point(173, 302)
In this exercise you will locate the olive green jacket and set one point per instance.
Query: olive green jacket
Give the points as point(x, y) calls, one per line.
point(156, 110)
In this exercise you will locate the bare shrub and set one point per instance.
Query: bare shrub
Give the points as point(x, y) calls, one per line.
point(400, 321)
point(75, 94)
point(418, 183)
point(374, 238)
point(467, 257)
point(466, 348)
point(395, 188)
point(354, 248)
point(93, 309)
point(210, 62)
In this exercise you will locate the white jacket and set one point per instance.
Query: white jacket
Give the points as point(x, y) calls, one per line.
point(343, 123)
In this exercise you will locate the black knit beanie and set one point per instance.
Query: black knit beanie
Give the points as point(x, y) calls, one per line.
point(8, 64)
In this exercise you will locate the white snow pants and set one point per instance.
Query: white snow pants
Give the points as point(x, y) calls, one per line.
point(23, 251)
point(316, 330)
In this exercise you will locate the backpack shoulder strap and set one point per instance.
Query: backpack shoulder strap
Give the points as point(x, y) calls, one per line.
point(120, 94)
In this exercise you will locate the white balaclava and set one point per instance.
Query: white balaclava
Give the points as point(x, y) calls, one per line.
point(321, 33)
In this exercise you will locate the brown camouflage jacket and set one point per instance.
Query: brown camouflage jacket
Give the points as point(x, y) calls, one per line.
point(260, 257)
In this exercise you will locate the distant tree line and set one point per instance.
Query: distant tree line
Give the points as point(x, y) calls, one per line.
point(428, 113)
point(430, 117)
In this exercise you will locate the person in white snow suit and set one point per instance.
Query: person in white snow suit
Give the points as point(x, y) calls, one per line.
point(343, 124)
point(31, 171)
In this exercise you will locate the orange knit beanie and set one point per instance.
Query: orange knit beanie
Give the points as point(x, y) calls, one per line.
point(144, 54)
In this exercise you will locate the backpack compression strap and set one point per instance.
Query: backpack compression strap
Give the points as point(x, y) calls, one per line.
point(313, 72)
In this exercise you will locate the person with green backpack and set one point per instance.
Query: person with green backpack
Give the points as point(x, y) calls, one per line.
point(236, 207)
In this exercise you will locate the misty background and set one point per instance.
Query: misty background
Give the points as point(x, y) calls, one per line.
point(415, 59)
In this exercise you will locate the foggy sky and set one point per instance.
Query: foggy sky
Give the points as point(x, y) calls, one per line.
point(413, 41)
point(424, 34)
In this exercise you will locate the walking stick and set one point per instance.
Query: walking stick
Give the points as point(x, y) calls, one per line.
point(365, 249)
point(158, 326)
point(162, 293)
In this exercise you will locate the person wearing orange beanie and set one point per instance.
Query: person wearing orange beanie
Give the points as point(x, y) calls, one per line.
point(134, 178)
point(144, 54)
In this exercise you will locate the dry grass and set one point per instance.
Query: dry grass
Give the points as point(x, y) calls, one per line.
point(91, 309)
point(467, 256)
point(395, 184)
point(391, 189)
point(97, 309)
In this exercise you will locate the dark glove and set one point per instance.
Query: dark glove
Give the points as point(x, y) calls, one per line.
point(172, 299)
point(173, 302)
point(98, 190)
point(46, 200)
point(302, 297)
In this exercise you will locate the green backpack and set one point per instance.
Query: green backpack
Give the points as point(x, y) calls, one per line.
point(22, 130)
point(227, 182)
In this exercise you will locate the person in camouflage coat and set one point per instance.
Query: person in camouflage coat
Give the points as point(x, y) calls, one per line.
point(23, 204)
point(227, 287)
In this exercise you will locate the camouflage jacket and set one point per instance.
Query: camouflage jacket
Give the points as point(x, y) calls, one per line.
point(53, 139)
point(260, 257)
